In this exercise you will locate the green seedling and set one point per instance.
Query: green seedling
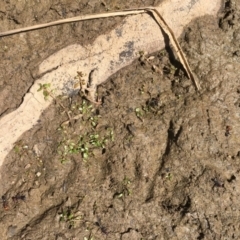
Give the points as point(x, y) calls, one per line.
point(127, 183)
point(85, 107)
point(169, 70)
point(94, 121)
point(110, 135)
point(45, 88)
point(64, 149)
point(85, 152)
point(139, 113)
point(84, 145)
point(68, 148)
point(163, 53)
point(20, 148)
point(69, 217)
point(126, 191)
point(169, 176)
point(49, 92)
point(141, 89)
point(173, 69)
point(96, 141)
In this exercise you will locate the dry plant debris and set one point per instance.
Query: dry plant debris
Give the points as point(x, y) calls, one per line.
point(151, 10)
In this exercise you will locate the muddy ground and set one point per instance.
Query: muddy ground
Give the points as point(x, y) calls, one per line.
point(156, 161)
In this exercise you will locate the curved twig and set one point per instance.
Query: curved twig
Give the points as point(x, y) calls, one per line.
point(154, 12)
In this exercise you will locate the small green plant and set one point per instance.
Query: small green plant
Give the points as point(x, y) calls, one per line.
point(126, 191)
point(85, 152)
point(110, 135)
point(141, 89)
point(127, 183)
point(45, 88)
point(84, 145)
point(49, 92)
point(85, 107)
point(169, 176)
point(140, 112)
point(94, 121)
point(69, 217)
point(96, 141)
point(67, 148)
point(163, 53)
point(18, 148)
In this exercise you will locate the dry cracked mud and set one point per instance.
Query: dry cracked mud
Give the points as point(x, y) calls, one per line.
point(156, 161)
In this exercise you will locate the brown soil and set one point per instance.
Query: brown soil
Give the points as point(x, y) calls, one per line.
point(161, 161)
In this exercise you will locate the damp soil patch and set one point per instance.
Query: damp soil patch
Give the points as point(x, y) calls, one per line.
point(155, 161)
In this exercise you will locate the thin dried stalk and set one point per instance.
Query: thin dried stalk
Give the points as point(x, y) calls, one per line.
point(155, 14)
point(175, 44)
point(74, 19)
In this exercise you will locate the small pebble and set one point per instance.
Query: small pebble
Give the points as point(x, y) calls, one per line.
point(27, 166)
